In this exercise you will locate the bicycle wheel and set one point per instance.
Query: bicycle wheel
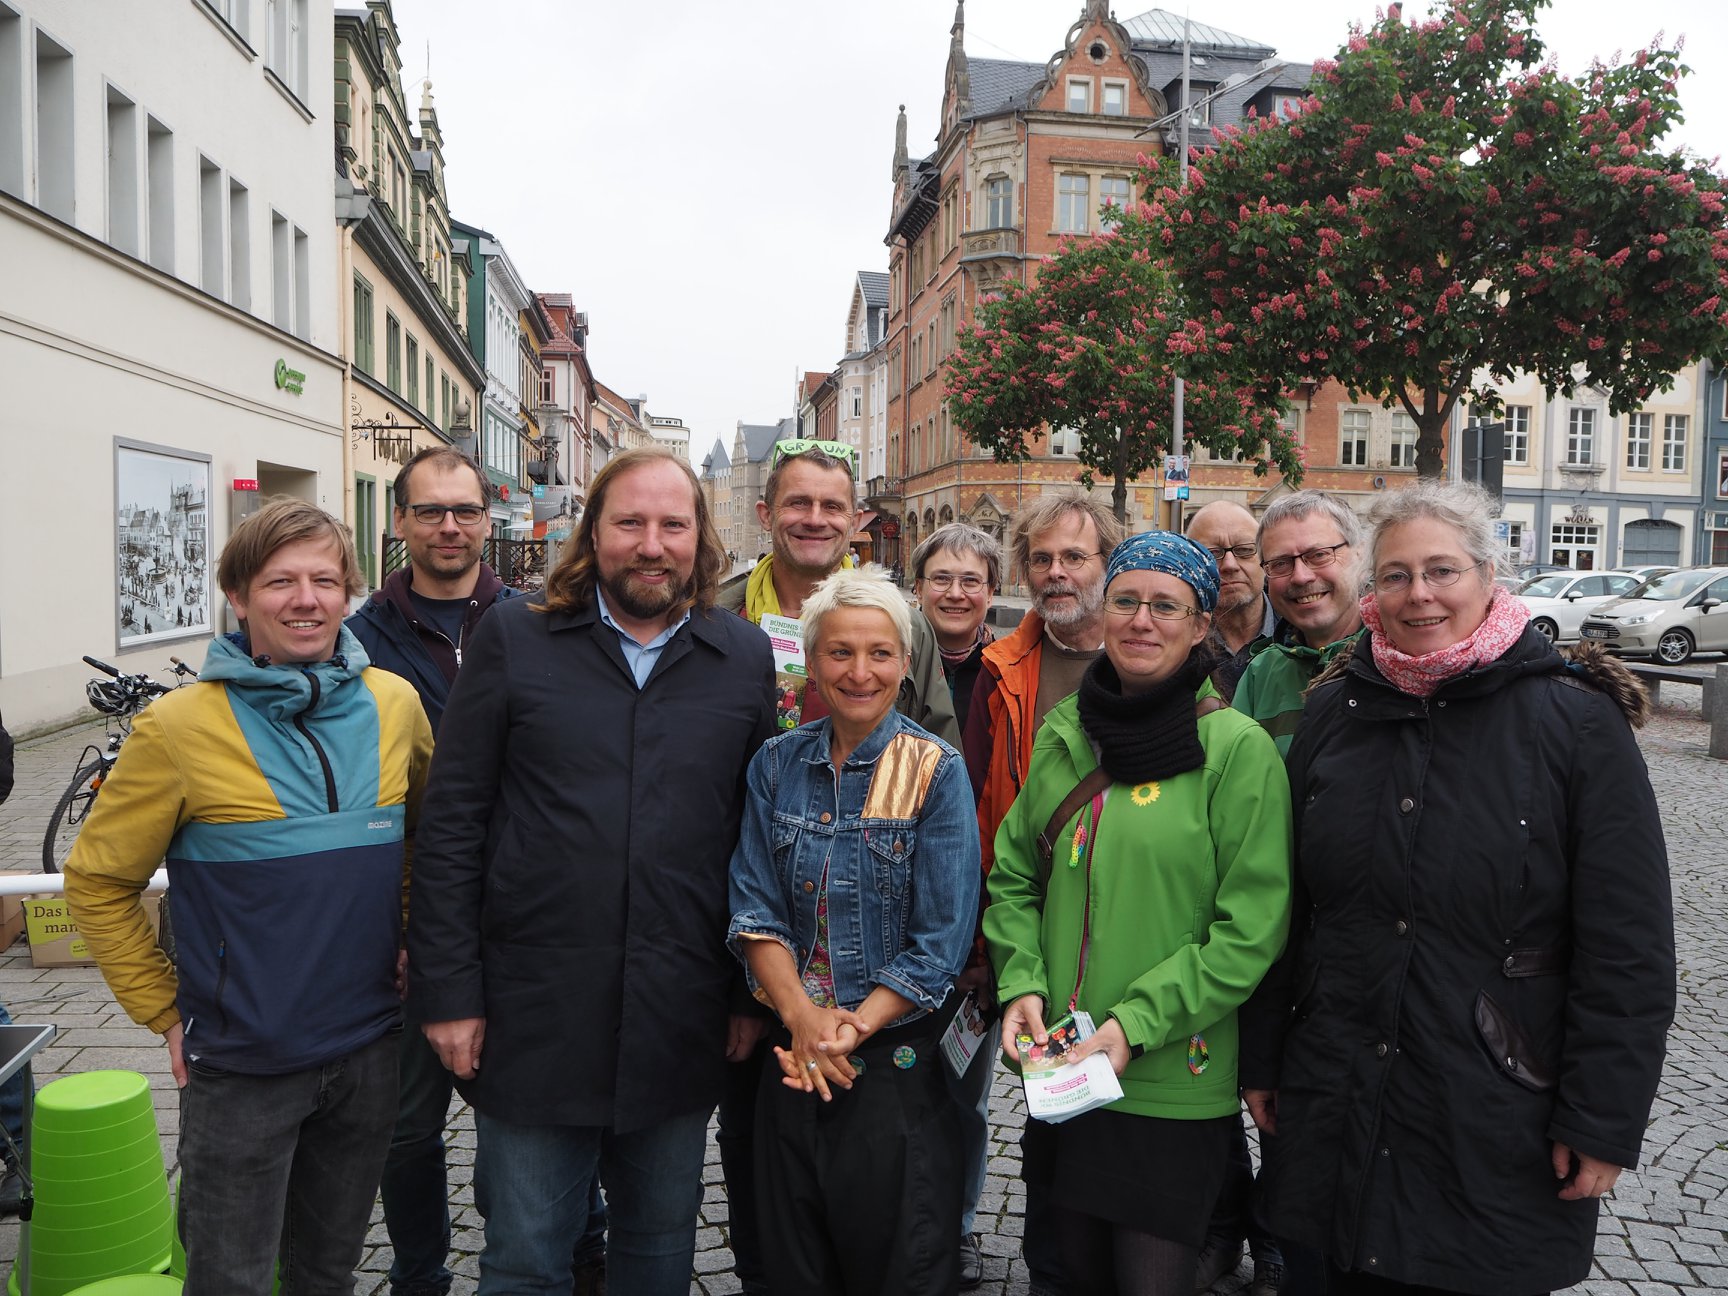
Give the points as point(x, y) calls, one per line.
point(69, 815)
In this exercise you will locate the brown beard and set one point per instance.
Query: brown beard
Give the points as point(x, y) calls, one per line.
point(643, 601)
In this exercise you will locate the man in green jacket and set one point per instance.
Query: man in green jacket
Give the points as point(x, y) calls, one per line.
point(1312, 551)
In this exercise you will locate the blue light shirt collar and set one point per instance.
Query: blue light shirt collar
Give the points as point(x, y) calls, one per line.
point(640, 656)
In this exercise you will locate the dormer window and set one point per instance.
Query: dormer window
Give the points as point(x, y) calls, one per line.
point(1115, 99)
point(1080, 95)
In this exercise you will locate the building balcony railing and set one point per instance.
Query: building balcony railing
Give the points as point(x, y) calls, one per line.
point(990, 243)
point(882, 488)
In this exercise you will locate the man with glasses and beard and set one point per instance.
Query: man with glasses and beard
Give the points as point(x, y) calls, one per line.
point(1061, 545)
point(568, 914)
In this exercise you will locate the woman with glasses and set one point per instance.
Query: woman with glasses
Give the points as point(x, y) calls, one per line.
point(1467, 1030)
point(1159, 904)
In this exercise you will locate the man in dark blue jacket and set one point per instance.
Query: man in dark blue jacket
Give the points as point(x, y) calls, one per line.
point(417, 626)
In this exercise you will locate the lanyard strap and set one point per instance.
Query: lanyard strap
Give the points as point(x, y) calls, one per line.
point(1085, 844)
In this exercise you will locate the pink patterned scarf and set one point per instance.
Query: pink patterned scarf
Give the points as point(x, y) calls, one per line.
point(1419, 676)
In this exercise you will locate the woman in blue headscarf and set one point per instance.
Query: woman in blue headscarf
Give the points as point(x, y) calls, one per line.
point(1143, 877)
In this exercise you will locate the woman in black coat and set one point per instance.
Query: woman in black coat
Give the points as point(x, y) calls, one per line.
point(1481, 968)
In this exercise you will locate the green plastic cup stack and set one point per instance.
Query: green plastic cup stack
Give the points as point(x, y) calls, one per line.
point(102, 1206)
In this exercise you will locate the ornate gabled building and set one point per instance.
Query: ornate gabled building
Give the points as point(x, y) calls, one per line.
point(862, 377)
point(410, 371)
point(566, 398)
point(1025, 155)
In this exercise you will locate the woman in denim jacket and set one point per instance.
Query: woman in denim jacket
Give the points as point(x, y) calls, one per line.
point(854, 894)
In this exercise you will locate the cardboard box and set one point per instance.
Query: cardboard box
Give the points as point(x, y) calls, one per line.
point(12, 911)
point(54, 938)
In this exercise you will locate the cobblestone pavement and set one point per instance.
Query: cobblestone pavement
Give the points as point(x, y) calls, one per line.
point(1665, 1229)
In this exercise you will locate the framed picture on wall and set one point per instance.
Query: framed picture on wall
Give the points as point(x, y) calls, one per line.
point(1722, 476)
point(161, 543)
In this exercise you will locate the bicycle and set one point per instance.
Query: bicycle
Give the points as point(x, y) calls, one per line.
point(120, 698)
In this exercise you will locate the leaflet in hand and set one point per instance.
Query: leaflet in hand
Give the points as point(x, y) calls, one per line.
point(786, 638)
point(965, 1033)
point(1056, 1089)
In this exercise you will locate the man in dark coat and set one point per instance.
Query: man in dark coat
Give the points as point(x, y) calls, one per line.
point(569, 894)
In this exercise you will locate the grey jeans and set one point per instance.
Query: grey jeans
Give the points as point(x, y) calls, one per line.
point(283, 1168)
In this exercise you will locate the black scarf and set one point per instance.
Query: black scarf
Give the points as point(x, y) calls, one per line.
point(1144, 736)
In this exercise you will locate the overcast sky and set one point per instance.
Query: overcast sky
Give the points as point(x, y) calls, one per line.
point(705, 178)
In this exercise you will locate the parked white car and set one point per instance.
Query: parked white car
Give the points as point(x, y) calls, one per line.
point(1559, 600)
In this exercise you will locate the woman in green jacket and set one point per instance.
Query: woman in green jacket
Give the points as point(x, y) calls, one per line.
point(1164, 900)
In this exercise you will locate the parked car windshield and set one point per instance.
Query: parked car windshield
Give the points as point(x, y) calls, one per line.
point(1675, 585)
point(1546, 586)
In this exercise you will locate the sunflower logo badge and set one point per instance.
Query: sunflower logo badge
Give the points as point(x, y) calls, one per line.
point(1145, 794)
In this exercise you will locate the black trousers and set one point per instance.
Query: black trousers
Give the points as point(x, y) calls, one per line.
point(861, 1195)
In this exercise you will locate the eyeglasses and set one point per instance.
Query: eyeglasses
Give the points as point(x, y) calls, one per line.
point(1312, 559)
point(1241, 553)
point(942, 582)
point(1071, 560)
point(791, 449)
point(1396, 582)
point(1124, 605)
point(433, 514)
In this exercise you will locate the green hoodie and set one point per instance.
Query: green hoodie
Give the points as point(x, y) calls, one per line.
point(1190, 903)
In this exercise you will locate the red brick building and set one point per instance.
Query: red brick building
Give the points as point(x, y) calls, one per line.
point(1026, 153)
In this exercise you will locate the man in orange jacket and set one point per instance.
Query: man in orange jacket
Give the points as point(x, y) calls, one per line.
point(1061, 545)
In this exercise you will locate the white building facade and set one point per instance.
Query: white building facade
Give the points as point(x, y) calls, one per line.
point(170, 323)
point(1589, 489)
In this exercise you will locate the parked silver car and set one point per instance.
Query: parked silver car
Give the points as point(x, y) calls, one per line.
point(1559, 601)
point(1668, 618)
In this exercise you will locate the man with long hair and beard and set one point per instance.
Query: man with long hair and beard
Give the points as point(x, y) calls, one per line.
point(569, 906)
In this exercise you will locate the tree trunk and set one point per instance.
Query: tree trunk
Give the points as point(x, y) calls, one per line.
point(1431, 442)
point(1119, 496)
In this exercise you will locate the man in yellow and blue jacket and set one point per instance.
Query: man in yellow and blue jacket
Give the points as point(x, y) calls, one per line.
point(282, 789)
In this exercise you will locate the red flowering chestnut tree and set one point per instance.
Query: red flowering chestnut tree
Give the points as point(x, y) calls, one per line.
point(1445, 210)
point(1094, 346)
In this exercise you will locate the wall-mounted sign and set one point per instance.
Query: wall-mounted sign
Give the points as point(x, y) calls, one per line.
point(289, 380)
point(246, 483)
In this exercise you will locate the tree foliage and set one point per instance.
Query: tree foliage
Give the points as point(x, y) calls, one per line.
point(1445, 210)
point(1095, 346)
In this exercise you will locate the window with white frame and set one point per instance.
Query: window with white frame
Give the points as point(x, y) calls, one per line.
point(1402, 451)
point(1581, 437)
point(1674, 428)
point(1517, 424)
point(548, 386)
point(1353, 438)
point(857, 402)
point(1079, 95)
point(1638, 437)
point(1073, 203)
point(123, 222)
point(1113, 193)
point(1064, 442)
point(998, 202)
point(1567, 539)
point(1515, 540)
point(285, 46)
point(232, 13)
point(55, 186)
point(1114, 100)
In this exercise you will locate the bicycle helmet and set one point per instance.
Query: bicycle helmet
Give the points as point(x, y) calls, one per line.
point(108, 697)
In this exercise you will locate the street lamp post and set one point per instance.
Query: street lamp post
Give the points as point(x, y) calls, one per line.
point(1184, 115)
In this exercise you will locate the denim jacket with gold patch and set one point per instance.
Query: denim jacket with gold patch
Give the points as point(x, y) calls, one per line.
point(896, 837)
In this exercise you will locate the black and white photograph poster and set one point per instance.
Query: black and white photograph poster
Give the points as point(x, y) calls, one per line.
point(161, 535)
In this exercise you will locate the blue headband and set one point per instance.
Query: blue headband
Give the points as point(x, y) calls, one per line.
point(1175, 555)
